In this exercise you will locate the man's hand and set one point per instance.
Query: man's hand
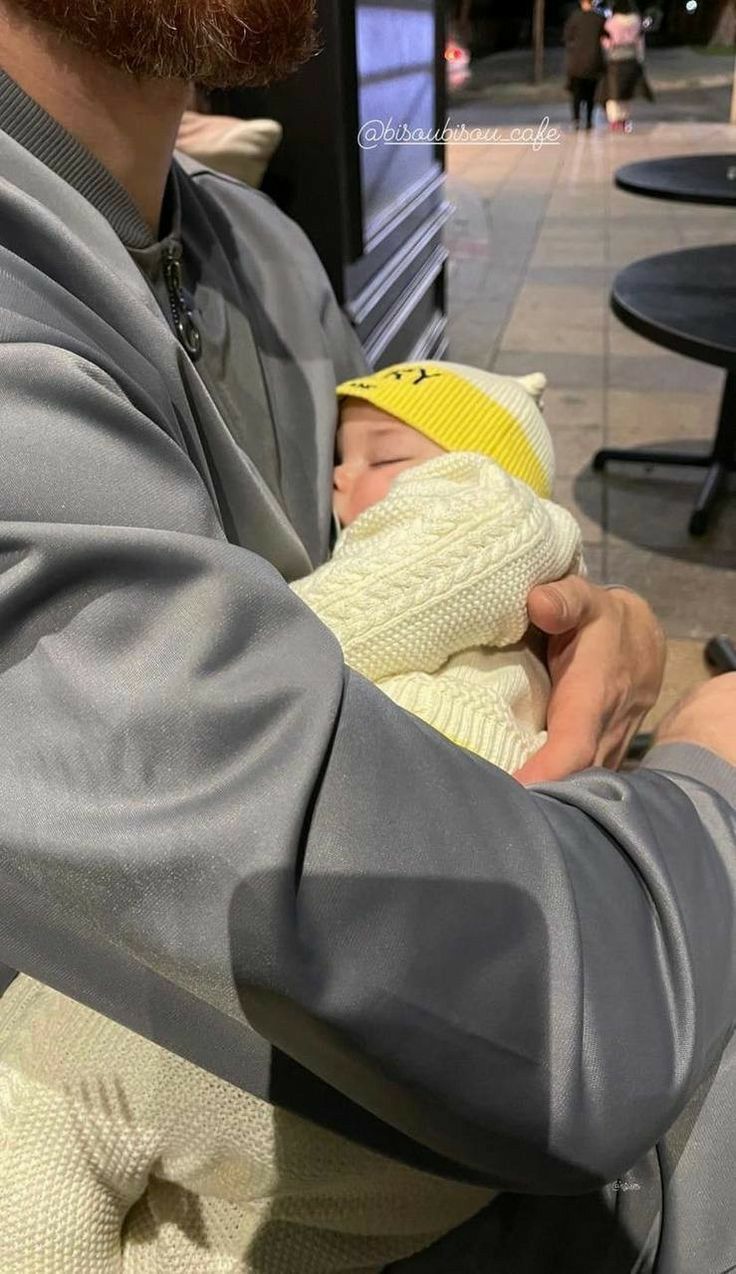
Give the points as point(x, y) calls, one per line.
point(706, 717)
point(606, 659)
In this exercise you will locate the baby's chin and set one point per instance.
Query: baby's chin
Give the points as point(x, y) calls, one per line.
point(347, 511)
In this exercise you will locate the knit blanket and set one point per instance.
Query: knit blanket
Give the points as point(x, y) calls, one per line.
point(427, 594)
point(116, 1157)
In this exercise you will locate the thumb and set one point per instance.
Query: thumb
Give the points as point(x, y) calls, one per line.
point(565, 754)
point(558, 608)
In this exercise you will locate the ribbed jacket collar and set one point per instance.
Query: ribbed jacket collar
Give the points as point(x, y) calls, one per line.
point(33, 128)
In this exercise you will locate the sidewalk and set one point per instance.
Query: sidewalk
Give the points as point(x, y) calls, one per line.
point(535, 244)
point(506, 77)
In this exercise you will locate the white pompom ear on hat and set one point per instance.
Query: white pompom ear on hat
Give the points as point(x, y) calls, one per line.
point(535, 385)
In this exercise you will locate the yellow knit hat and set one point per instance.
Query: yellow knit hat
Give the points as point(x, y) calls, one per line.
point(467, 409)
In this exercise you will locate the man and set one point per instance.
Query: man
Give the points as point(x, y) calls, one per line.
point(212, 830)
point(585, 64)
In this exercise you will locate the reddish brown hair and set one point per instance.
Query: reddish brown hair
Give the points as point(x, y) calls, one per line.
point(218, 43)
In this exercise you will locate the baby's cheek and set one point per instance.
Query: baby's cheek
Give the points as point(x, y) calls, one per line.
point(372, 487)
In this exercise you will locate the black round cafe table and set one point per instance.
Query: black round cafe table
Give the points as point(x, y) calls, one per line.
point(703, 179)
point(683, 301)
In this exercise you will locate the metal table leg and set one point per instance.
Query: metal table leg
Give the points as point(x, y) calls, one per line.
point(719, 462)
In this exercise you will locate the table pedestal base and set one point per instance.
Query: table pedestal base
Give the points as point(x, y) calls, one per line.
point(719, 462)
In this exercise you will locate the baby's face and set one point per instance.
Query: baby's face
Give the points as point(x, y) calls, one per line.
point(373, 448)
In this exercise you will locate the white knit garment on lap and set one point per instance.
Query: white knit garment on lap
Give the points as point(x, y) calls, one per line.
point(118, 1158)
point(427, 594)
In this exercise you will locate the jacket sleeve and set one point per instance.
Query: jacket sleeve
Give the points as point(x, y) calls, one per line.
point(443, 564)
point(531, 984)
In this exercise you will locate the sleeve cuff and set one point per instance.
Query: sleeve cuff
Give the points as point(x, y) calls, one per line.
point(697, 763)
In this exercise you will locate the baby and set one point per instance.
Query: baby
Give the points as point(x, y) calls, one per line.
point(441, 494)
point(153, 1164)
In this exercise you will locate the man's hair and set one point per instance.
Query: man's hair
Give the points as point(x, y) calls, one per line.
point(217, 43)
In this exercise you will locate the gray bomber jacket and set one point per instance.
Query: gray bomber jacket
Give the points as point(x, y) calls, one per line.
point(215, 833)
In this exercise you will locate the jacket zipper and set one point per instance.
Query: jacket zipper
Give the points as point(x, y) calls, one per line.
point(184, 324)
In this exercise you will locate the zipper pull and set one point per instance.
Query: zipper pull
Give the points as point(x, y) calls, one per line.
point(184, 324)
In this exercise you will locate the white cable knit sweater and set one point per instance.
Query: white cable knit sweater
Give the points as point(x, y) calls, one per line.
point(427, 594)
point(117, 1157)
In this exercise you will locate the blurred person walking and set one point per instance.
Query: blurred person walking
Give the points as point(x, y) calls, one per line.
point(584, 59)
point(623, 40)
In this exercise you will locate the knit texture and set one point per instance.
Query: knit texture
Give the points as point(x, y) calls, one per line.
point(118, 1158)
point(468, 409)
point(427, 594)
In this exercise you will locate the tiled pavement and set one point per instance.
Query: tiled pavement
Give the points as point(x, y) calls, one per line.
point(535, 243)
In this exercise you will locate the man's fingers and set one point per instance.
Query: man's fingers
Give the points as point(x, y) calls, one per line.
point(562, 756)
point(606, 657)
point(559, 608)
